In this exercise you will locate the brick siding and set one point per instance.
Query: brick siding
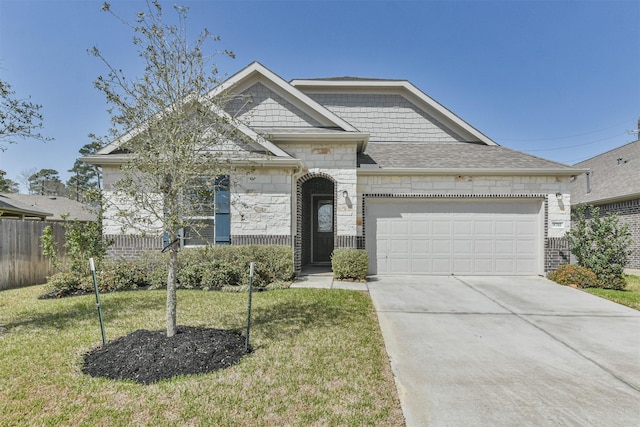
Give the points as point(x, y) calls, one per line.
point(629, 213)
point(130, 246)
point(556, 253)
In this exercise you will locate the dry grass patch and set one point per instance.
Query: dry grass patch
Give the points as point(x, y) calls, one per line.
point(319, 359)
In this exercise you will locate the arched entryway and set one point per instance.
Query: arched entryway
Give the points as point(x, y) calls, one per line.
point(316, 220)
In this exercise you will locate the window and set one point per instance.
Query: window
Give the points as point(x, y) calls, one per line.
point(211, 223)
point(325, 216)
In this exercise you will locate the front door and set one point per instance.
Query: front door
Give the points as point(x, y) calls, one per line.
point(322, 234)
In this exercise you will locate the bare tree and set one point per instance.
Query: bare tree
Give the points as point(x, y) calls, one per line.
point(175, 138)
point(19, 118)
point(24, 175)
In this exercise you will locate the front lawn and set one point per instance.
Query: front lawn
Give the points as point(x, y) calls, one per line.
point(318, 359)
point(629, 297)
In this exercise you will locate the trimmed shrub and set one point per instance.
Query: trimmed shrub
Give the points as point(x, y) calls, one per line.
point(229, 265)
point(219, 274)
point(350, 263)
point(63, 285)
point(156, 266)
point(190, 276)
point(572, 274)
point(213, 267)
point(601, 244)
point(611, 280)
point(122, 275)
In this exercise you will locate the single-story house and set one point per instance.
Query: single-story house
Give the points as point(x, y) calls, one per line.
point(14, 209)
point(378, 165)
point(50, 208)
point(613, 184)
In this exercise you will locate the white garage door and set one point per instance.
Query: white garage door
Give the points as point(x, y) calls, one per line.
point(444, 236)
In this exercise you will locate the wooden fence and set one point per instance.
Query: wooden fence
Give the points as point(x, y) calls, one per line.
point(22, 262)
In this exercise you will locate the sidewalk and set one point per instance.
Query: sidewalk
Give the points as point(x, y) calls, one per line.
point(322, 278)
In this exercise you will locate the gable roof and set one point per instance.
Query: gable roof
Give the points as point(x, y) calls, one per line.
point(52, 207)
point(401, 87)
point(411, 132)
point(613, 176)
point(258, 140)
point(256, 72)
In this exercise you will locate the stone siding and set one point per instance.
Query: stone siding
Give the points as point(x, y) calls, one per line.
point(121, 218)
point(261, 203)
point(337, 161)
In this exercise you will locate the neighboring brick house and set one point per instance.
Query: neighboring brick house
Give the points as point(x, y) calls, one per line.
point(613, 184)
point(379, 165)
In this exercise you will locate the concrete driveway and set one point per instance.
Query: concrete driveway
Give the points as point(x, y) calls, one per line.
point(516, 351)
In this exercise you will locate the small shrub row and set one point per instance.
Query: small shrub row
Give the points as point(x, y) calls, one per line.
point(573, 274)
point(213, 267)
point(583, 277)
point(350, 264)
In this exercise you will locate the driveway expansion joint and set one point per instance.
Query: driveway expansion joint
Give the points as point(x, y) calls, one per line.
point(557, 339)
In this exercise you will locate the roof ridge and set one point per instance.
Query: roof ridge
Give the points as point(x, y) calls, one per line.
point(350, 78)
point(607, 152)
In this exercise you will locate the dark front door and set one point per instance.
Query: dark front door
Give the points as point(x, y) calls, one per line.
point(322, 234)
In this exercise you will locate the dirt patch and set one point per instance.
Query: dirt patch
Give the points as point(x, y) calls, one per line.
point(150, 356)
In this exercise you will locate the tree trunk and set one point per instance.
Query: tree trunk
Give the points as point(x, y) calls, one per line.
point(171, 291)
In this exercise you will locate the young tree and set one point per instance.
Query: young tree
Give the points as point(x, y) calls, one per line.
point(175, 132)
point(86, 177)
point(46, 182)
point(19, 118)
point(7, 185)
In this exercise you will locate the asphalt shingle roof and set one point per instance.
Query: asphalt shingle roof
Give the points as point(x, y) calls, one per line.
point(452, 155)
point(614, 175)
point(55, 205)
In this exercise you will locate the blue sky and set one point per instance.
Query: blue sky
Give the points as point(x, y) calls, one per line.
point(557, 79)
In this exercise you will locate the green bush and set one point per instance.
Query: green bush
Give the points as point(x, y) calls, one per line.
point(190, 276)
point(350, 263)
point(229, 265)
point(601, 244)
point(612, 280)
point(572, 274)
point(156, 266)
point(213, 267)
point(65, 284)
point(219, 274)
point(121, 275)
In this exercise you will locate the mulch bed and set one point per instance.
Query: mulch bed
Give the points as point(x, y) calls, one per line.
point(150, 356)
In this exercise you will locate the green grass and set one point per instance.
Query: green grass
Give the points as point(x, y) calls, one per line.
point(629, 297)
point(319, 359)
